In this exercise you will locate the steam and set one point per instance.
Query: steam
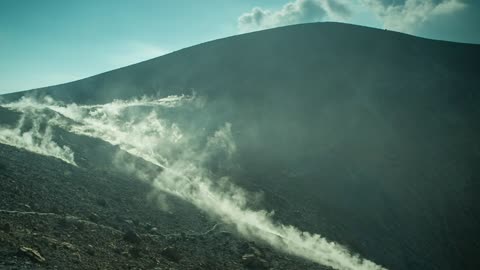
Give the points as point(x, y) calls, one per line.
point(38, 138)
point(147, 128)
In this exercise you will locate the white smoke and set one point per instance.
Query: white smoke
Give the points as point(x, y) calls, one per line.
point(35, 138)
point(143, 129)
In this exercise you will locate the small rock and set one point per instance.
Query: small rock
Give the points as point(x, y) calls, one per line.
point(256, 251)
point(32, 254)
point(172, 254)
point(80, 226)
point(55, 210)
point(63, 222)
point(148, 226)
point(135, 252)
point(117, 250)
point(67, 245)
point(102, 202)
point(93, 217)
point(129, 221)
point(90, 250)
point(6, 227)
point(250, 248)
point(76, 257)
point(132, 237)
point(254, 262)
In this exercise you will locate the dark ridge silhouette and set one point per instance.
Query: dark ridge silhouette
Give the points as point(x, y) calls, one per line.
point(302, 58)
point(369, 137)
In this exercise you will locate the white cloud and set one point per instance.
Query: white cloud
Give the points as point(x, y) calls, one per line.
point(409, 14)
point(297, 11)
point(398, 15)
point(447, 7)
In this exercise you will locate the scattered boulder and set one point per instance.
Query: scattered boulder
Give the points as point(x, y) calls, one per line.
point(128, 221)
point(67, 245)
point(256, 251)
point(117, 250)
point(63, 222)
point(250, 248)
point(253, 258)
point(93, 217)
point(77, 258)
point(135, 252)
point(148, 226)
point(90, 250)
point(80, 225)
point(54, 209)
point(6, 227)
point(252, 261)
point(171, 254)
point(102, 202)
point(154, 230)
point(136, 222)
point(132, 237)
point(132, 222)
point(32, 254)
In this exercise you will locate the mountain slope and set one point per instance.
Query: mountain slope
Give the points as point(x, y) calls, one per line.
point(78, 218)
point(369, 137)
point(307, 57)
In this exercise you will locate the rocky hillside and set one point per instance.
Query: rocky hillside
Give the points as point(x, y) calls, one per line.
point(55, 216)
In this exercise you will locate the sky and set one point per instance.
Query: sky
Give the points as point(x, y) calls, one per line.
point(50, 42)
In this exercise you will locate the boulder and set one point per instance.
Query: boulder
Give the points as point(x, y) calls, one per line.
point(171, 254)
point(132, 237)
point(254, 262)
point(32, 254)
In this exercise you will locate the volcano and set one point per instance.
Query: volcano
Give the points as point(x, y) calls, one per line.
point(313, 146)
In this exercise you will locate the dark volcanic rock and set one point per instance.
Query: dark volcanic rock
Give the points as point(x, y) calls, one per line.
point(172, 254)
point(32, 254)
point(135, 252)
point(93, 217)
point(132, 237)
point(90, 250)
point(102, 202)
point(6, 227)
point(255, 262)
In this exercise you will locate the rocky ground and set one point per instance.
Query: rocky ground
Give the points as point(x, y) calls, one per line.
point(56, 216)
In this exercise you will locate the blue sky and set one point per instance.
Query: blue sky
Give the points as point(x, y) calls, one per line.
point(55, 41)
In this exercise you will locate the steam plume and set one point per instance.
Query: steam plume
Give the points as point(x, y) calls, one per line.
point(144, 128)
point(35, 137)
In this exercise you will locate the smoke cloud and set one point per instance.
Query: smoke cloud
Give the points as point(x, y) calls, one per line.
point(155, 131)
point(297, 11)
point(34, 133)
point(405, 16)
